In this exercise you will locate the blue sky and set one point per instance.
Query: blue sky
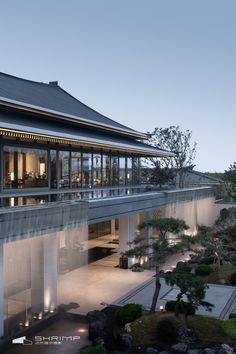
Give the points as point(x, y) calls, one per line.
point(144, 63)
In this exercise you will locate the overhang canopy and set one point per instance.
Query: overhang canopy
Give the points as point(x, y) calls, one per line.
point(25, 127)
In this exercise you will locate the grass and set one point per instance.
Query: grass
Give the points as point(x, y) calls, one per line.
point(223, 273)
point(206, 329)
point(230, 327)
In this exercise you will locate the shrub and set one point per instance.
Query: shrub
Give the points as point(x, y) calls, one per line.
point(208, 260)
point(94, 350)
point(233, 279)
point(203, 269)
point(184, 307)
point(128, 313)
point(166, 331)
point(185, 269)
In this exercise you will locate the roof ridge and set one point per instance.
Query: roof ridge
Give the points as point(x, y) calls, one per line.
point(204, 174)
point(23, 79)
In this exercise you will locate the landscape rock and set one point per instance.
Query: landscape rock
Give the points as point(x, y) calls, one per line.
point(181, 264)
point(180, 348)
point(126, 339)
point(209, 351)
point(128, 327)
point(137, 269)
point(194, 351)
point(95, 330)
point(226, 349)
point(96, 315)
point(98, 341)
point(185, 335)
point(151, 351)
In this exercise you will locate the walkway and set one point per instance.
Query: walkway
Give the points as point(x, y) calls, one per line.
point(221, 296)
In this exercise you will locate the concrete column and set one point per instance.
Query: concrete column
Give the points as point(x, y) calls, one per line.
point(50, 271)
point(44, 256)
point(37, 275)
point(1, 292)
point(127, 228)
point(113, 227)
point(150, 240)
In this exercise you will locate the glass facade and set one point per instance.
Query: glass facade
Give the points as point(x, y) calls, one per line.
point(64, 169)
point(53, 165)
point(97, 170)
point(24, 167)
point(76, 169)
point(122, 168)
point(114, 170)
point(87, 170)
point(129, 170)
point(136, 170)
point(106, 168)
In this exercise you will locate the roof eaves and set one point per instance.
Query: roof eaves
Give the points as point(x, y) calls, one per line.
point(26, 106)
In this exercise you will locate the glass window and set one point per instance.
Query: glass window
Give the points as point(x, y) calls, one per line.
point(122, 168)
point(136, 171)
point(106, 170)
point(144, 171)
point(64, 157)
point(97, 169)
point(76, 169)
point(53, 162)
point(129, 170)
point(24, 167)
point(87, 170)
point(114, 170)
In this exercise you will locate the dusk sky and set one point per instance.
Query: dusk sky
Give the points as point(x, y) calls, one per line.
point(144, 63)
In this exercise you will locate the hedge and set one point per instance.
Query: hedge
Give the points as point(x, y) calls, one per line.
point(184, 307)
point(128, 313)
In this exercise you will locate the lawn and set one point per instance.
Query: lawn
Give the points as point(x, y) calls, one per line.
point(206, 329)
point(230, 327)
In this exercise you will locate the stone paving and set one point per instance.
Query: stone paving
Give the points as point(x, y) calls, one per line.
point(221, 296)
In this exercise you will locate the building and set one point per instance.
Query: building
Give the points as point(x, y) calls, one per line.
point(194, 178)
point(69, 177)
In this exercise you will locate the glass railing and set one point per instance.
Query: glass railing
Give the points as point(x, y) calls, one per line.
point(7, 201)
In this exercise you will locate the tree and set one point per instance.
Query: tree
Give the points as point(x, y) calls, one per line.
point(220, 240)
point(179, 142)
point(160, 248)
point(193, 288)
point(164, 226)
point(161, 175)
point(230, 180)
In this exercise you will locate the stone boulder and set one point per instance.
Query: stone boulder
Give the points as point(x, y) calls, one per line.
point(185, 335)
point(126, 339)
point(194, 351)
point(96, 315)
point(179, 348)
point(209, 351)
point(226, 349)
point(128, 328)
point(95, 330)
point(97, 323)
point(151, 350)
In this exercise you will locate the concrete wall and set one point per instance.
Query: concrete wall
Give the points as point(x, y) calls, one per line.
point(110, 208)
